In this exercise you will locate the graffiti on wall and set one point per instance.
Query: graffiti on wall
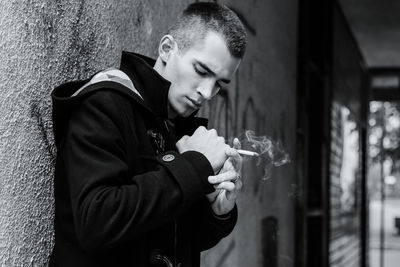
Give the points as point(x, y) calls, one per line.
point(224, 116)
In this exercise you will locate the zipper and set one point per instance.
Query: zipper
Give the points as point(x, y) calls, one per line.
point(175, 240)
point(166, 126)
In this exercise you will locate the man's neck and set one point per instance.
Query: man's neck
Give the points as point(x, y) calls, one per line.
point(159, 66)
point(171, 112)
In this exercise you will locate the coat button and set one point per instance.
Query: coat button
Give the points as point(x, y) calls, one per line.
point(168, 157)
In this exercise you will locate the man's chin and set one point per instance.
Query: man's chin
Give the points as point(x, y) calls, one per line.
point(184, 112)
point(188, 112)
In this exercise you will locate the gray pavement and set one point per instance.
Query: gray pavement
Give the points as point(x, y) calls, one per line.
point(392, 239)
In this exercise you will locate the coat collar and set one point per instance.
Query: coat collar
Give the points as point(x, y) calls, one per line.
point(154, 90)
point(151, 85)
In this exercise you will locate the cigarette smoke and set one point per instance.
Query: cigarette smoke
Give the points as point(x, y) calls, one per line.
point(271, 152)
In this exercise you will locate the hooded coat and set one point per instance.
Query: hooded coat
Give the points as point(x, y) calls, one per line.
point(124, 196)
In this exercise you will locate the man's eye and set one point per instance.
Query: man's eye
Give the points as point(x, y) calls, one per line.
point(200, 72)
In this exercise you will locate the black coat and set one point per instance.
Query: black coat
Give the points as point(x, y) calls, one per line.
point(123, 192)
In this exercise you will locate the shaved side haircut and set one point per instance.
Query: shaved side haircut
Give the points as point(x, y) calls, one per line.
point(200, 18)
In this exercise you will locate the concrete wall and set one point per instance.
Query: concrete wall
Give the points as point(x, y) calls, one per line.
point(44, 43)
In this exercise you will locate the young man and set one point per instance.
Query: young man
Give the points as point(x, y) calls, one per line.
point(139, 180)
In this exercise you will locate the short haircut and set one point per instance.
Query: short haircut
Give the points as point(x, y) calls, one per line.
point(199, 18)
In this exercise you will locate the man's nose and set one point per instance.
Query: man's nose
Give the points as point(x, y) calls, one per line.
point(206, 90)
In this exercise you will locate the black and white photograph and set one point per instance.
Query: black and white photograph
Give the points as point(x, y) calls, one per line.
point(200, 133)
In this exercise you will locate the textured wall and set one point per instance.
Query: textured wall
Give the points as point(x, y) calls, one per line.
point(44, 43)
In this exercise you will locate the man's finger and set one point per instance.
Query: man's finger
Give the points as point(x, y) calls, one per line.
point(231, 152)
point(236, 143)
point(201, 129)
point(235, 158)
point(184, 137)
point(228, 165)
point(231, 196)
point(228, 186)
point(239, 184)
point(222, 177)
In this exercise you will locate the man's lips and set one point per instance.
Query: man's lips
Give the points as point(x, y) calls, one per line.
point(196, 104)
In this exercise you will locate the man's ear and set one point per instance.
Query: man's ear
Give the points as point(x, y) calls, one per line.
point(166, 47)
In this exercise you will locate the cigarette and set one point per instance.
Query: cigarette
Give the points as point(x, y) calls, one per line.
point(247, 152)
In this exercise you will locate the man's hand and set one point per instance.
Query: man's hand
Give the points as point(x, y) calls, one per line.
point(227, 183)
point(207, 142)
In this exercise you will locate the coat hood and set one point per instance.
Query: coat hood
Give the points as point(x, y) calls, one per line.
point(66, 96)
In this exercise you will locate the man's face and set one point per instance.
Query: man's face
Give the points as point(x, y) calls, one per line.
point(197, 74)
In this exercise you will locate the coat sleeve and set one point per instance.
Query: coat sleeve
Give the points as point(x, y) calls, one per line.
point(110, 205)
point(212, 228)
